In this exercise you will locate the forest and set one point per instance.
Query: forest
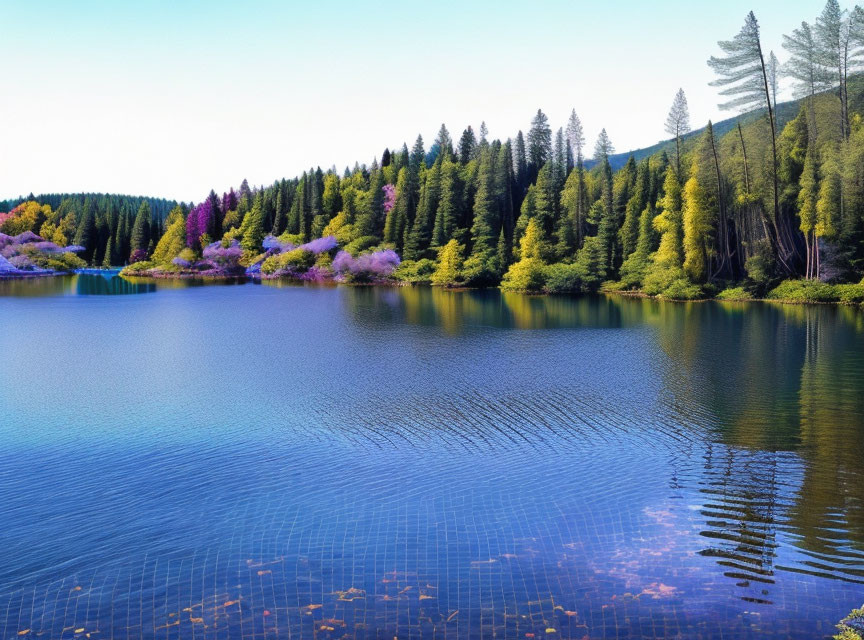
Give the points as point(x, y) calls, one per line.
point(768, 204)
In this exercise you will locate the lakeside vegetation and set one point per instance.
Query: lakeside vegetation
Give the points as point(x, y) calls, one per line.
point(769, 209)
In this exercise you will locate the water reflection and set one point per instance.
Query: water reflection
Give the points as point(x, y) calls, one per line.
point(779, 387)
point(783, 387)
point(101, 283)
point(371, 462)
point(456, 311)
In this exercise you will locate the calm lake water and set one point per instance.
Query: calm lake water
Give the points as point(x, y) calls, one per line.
point(257, 461)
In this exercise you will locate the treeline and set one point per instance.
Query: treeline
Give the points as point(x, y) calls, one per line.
point(109, 227)
point(756, 205)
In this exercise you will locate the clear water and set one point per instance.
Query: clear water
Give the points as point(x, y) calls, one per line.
point(261, 461)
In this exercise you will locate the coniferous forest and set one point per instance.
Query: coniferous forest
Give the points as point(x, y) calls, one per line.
point(770, 202)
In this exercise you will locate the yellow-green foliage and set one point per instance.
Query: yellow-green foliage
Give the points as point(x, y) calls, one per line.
point(231, 221)
point(171, 243)
point(291, 238)
point(64, 262)
point(54, 233)
point(28, 217)
point(828, 205)
point(339, 228)
point(233, 233)
point(682, 289)
point(449, 270)
point(526, 275)
point(734, 293)
point(846, 631)
point(697, 227)
point(298, 260)
point(817, 291)
point(137, 268)
point(809, 193)
point(415, 271)
point(361, 244)
point(529, 273)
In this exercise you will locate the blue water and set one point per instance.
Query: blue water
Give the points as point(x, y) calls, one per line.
point(262, 461)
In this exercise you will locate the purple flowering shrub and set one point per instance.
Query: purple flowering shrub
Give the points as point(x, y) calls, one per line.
point(368, 267)
point(138, 255)
point(272, 243)
point(227, 257)
point(321, 245)
point(29, 252)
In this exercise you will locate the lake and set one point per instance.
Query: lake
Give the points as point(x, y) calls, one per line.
point(180, 460)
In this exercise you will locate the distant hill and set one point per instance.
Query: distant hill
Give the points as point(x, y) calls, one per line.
point(158, 206)
point(786, 111)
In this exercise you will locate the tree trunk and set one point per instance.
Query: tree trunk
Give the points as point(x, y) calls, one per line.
point(782, 252)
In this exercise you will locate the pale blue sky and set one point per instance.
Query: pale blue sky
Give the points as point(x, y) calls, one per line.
point(175, 98)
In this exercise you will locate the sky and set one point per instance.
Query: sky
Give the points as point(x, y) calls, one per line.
point(174, 98)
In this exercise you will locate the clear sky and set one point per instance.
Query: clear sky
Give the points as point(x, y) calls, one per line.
point(174, 98)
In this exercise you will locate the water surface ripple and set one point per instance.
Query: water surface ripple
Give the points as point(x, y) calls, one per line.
point(275, 461)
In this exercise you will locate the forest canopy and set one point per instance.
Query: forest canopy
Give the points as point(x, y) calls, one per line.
point(774, 194)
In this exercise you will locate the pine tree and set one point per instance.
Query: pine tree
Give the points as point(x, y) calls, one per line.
point(397, 217)
point(539, 144)
point(252, 229)
point(107, 261)
point(141, 228)
point(808, 196)
point(804, 66)
point(603, 147)
point(575, 137)
point(449, 211)
point(467, 144)
point(520, 164)
point(744, 74)
point(670, 253)
point(528, 274)
point(697, 229)
point(678, 123)
point(448, 272)
point(371, 219)
point(629, 232)
point(828, 204)
point(85, 234)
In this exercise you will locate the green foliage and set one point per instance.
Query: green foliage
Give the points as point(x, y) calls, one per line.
point(659, 279)
point(591, 260)
point(141, 228)
point(809, 291)
point(682, 289)
point(850, 293)
point(252, 228)
point(761, 267)
point(735, 293)
point(564, 278)
point(361, 244)
point(482, 269)
point(415, 271)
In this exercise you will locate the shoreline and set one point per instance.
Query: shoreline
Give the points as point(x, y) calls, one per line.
point(214, 277)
